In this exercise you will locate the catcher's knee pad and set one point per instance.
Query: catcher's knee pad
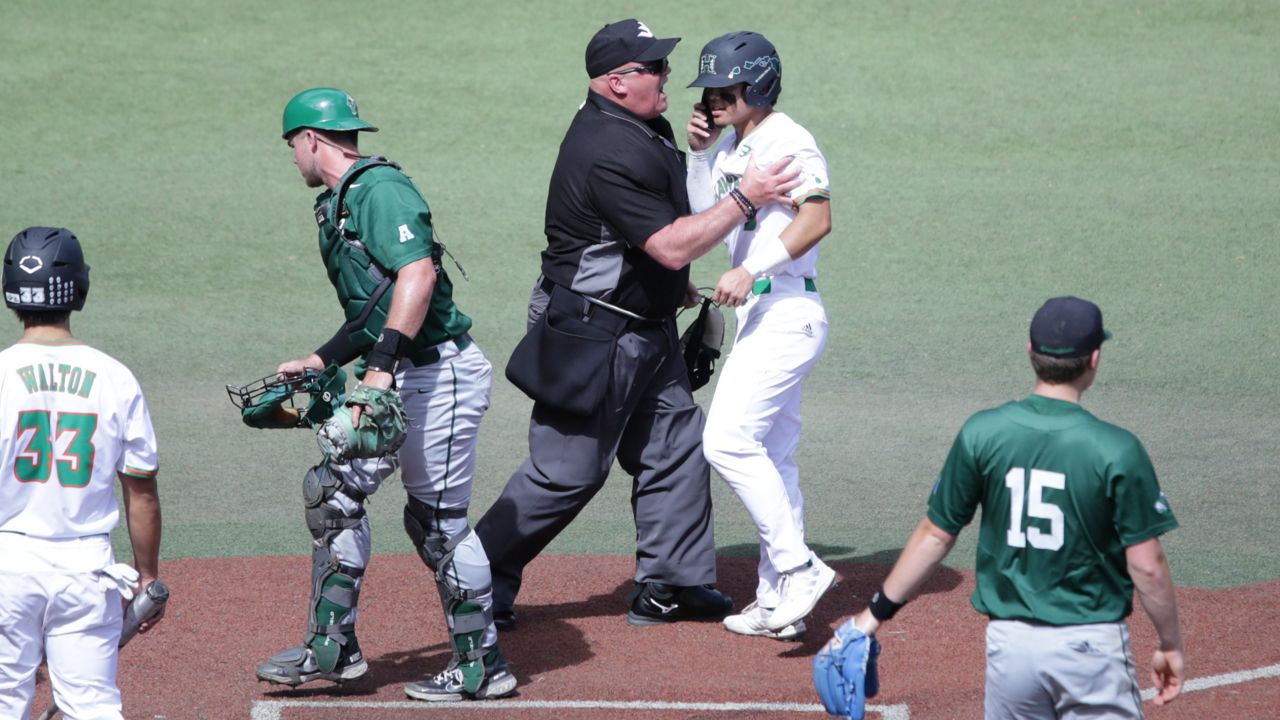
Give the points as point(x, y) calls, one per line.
point(326, 516)
point(448, 546)
point(335, 592)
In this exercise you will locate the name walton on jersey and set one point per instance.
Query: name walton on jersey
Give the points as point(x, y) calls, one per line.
point(59, 378)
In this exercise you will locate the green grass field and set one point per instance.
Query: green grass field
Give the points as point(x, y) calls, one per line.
point(985, 156)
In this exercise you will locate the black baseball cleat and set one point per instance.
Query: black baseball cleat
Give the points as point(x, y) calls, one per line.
point(658, 603)
point(504, 620)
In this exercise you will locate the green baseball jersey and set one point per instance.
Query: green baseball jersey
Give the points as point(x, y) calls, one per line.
point(1062, 494)
point(384, 225)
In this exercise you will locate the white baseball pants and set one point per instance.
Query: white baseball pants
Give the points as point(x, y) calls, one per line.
point(75, 622)
point(754, 423)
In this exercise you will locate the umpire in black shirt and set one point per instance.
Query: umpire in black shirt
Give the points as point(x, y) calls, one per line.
point(601, 359)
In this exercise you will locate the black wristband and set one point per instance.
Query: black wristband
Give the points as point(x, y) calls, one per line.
point(387, 351)
point(744, 204)
point(881, 607)
point(338, 349)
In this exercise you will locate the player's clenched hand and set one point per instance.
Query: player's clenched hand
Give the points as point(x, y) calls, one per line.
point(763, 186)
point(291, 368)
point(700, 132)
point(1167, 674)
point(733, 288)
point(147, 625)
point(374, 379)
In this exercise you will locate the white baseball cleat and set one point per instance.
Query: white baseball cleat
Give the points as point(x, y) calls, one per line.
point(754, 621)
point(801, 589)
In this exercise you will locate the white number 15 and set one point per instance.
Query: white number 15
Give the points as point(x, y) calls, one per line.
point(1016, 481)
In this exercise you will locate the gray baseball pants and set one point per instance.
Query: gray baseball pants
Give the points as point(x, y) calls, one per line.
point(1070, 672)
point(650, 423)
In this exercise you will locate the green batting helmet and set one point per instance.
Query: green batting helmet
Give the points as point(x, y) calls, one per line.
point(323, 109)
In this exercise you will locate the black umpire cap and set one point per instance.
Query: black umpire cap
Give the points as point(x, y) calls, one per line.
point(617, 44)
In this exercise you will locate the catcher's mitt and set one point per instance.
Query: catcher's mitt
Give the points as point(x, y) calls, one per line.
point(844, 672)
point(269, 402)
point(381, 432)
point(700, 344)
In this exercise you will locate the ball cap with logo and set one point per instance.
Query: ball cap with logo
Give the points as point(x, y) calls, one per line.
point(1067, 327)
point(617, 44)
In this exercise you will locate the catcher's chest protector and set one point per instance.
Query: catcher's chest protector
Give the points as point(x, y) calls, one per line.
point(357, 277)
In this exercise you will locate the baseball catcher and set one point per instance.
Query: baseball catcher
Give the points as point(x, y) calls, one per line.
point(844, 672)
point(414, 358)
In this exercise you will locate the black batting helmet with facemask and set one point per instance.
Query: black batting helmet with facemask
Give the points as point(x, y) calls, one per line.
point(44, 271)
point(742, 57)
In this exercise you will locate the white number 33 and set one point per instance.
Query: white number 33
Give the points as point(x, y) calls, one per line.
point(1016, 481)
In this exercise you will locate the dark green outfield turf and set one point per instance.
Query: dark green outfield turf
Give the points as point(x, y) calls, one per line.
point(985, 156)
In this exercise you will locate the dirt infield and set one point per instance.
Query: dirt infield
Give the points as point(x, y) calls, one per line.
point(576, 657)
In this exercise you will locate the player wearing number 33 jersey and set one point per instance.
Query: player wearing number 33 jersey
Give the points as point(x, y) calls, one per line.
point(1071, 519)
point(72, 421)
point(74, 417)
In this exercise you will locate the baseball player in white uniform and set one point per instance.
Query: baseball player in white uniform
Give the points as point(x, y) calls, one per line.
point(73, 421)
point(753, 426)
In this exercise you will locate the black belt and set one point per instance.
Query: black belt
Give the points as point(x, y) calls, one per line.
point(613, 318)
point(431, 355)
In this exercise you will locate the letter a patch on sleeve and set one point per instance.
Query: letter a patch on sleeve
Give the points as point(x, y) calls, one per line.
point(405, 234)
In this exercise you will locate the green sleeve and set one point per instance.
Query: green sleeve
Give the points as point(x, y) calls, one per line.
point(1141, 509)
point(395, 224)
point(958, 489)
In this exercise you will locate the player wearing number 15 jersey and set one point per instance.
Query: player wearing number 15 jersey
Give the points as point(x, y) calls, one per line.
point(72, 421)
point(1071, 519)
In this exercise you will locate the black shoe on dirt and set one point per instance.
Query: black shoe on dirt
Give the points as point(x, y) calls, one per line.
point(504, 620)
point(657, 603)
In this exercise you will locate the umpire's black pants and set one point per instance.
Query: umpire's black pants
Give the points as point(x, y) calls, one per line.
point(650, 423)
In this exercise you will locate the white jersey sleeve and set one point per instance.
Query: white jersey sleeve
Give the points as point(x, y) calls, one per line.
point(698, 180)
point(814, 182)
point(138, 441)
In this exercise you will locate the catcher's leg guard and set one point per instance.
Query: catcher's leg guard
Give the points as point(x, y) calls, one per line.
point(335, 586)
point(462, 585)
point(329, 651)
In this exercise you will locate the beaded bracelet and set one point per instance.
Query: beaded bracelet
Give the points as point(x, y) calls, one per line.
point(744, 204)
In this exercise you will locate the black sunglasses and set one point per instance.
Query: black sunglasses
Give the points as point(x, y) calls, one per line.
point(728, 96)
point(653, 67)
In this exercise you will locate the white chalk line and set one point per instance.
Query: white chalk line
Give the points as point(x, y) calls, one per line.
point(1213, 681)
point(274, 709)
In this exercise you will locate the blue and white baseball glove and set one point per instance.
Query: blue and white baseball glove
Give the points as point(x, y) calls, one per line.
point(844, 672)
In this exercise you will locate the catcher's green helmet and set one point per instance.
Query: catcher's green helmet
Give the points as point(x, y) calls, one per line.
point(323, 109)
